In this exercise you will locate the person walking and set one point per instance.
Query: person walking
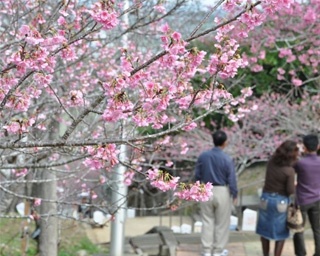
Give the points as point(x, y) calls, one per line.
point(275, 198)
point(308, 193)
point(216, 167)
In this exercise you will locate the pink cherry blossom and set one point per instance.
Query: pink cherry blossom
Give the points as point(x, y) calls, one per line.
point(61, 21)
point(160, 8)
point(128, 177)
point(102, 179)
point(21, 172)
point(108, 18)
point(296, 81)
point(24, 30)
point(37, 202)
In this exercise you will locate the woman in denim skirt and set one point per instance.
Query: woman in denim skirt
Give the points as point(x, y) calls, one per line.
point(278, 186)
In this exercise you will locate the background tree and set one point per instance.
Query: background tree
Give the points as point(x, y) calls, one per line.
point(286, 46)
point(252, 139)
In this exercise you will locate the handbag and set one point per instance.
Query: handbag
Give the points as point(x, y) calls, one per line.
point(294, 218)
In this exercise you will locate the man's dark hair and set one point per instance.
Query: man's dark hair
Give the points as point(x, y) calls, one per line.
point(219, 137)
point(311, 142)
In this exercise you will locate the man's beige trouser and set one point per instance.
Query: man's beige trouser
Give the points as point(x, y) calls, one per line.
point(215, 215)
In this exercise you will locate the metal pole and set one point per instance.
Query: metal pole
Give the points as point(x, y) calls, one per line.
point(120, 190)
point(119, 199)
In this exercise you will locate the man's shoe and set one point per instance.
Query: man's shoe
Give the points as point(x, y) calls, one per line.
point(225, 252)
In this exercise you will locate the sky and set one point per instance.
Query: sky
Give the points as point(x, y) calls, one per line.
point(207, 2)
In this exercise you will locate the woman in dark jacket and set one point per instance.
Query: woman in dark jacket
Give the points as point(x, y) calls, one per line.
point(279, 185)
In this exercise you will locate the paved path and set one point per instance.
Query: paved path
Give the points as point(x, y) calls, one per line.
point(244, 249)
point(242, 243)
point(246, 245)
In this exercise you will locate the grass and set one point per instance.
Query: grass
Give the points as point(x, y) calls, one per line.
point(249, 180)
point(72, 239)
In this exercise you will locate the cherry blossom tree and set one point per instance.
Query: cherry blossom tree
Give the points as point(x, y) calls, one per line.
point(75, 86)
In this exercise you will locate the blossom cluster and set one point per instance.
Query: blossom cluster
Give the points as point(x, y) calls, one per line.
point(191, 192)
point(19, 126)
point(195, 192)
point(20, 172)
point(226, 61)
point(105, 15)
point(128, 177)
point(162, 180)
point(242, 107)
point(105, 156)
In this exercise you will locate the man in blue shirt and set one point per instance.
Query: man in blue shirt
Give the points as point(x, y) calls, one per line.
point(308, 193)
point(216, 167)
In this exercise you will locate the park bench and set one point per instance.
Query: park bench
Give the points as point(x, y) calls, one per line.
point(161, 241)
point(146, 245)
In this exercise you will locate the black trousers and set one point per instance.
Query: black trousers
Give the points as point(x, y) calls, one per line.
point(313, 213)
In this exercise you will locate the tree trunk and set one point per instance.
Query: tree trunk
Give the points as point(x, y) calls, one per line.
point(48, 240)
point(10, 203)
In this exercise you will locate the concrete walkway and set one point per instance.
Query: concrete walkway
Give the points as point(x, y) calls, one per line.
point(242, 243)
point(244, 249)
point(246, 244)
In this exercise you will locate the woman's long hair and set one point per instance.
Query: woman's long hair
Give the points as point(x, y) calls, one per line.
point(286, 154)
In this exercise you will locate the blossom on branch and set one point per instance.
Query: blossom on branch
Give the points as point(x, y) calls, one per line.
point(105, 15)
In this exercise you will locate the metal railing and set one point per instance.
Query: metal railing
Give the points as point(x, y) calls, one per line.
point(191, 209)
point(187, 210)
point(241, 205)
